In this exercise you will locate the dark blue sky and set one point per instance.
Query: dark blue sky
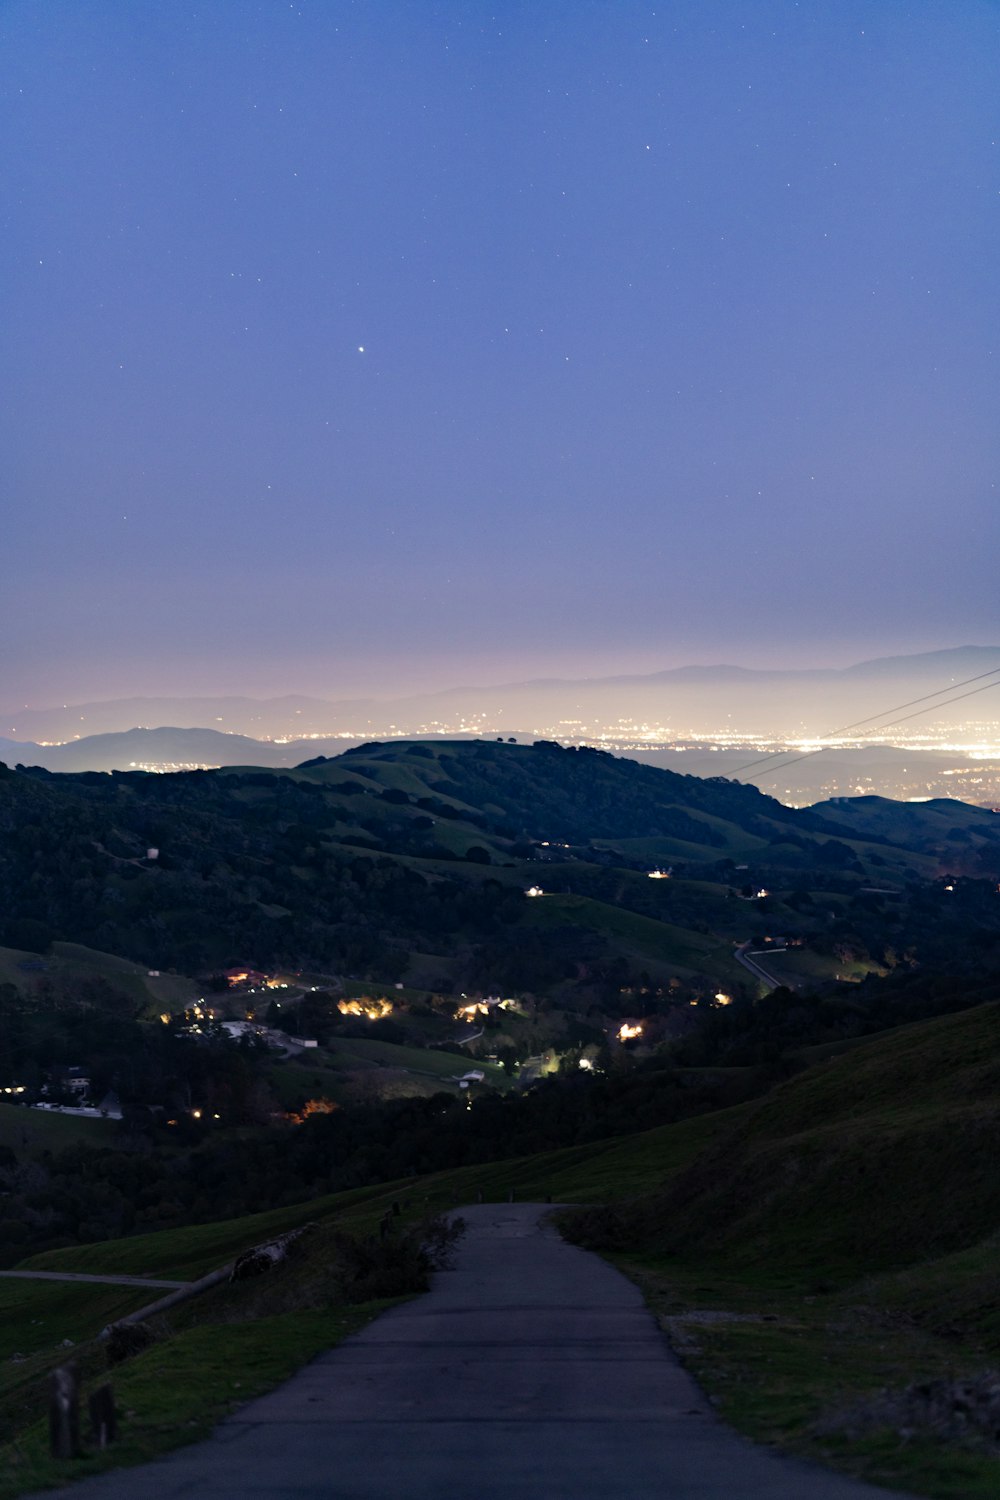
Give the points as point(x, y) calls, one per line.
point(364, 346)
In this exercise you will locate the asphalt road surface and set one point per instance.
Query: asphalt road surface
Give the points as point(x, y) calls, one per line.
point(532, 1371)
point(742, 956)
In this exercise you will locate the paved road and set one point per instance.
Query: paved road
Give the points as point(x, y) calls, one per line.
point(742, 956)
point(532, 1371)
point(83, 1276)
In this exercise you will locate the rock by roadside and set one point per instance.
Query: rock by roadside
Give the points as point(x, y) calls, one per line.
point(965, 1411)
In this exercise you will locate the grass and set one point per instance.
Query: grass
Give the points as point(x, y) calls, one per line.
point(391, 1069)
point(186, 1253)
point(38, 1130)
point(845, 1169)
point(846, 1238)
point(294, 1083)
point(780, 1361)
point(176, 1392)
point(36, 1316)
point(798, 964)
point(644, 937)
point(448, 1066)
point(69, 961)
point(394, 992)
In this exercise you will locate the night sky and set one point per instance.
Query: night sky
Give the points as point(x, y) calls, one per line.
point(375, 346)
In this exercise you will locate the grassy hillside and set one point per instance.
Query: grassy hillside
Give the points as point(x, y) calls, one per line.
point(849, 1167)
point(933, 823)
point(33, 1131)
point(74, 963)
point(661, 945)
point(840, 1242)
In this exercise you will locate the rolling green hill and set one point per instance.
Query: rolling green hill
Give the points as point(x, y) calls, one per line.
point(846, 1236)
point(356, 864)
point(33, 1131)
point(659, 946)
point(878, 1158)
point(75, 963)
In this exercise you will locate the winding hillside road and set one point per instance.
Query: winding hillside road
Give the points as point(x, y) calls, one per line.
point(742, 956)
point(531, 1371)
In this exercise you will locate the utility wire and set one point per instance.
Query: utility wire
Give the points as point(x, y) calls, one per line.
point(892, 723)
point(845, 728)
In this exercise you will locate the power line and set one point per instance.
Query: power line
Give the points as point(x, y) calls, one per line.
point(892, 723)
point(845, 728)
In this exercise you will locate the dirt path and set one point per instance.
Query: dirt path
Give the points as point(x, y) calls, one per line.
point(531, 1371)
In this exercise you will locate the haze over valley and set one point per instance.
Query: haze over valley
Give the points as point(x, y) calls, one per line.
point(705, 721)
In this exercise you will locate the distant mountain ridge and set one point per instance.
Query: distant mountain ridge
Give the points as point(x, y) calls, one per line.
point(881, 769)
point(684, 700)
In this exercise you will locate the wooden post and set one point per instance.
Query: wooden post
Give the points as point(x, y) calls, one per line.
point(103, 1420)
point(510, 1196)
point(64, 1412)
point(479, 1196)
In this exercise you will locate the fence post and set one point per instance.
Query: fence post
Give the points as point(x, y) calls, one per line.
point(103, 1421)
point(64, 1412)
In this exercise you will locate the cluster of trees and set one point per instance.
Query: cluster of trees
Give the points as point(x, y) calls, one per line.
point(89, 1024)
point(232, 878)
point(144, 1183)
point(772, 1031)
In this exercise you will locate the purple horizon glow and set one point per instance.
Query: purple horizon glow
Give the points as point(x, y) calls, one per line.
point(359, 350)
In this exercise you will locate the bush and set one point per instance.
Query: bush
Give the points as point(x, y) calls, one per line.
point(125, 1340)
point(396, 1265)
